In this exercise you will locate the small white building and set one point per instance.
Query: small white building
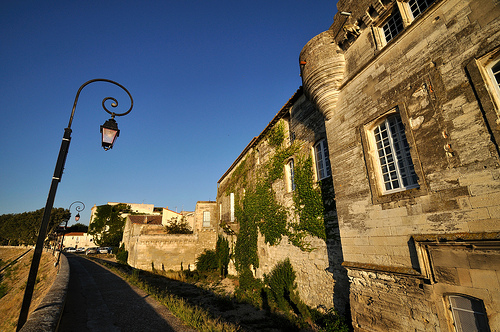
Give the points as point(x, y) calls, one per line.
point(78, 240)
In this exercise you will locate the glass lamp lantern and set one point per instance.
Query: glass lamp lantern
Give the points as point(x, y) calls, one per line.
point(110, 132)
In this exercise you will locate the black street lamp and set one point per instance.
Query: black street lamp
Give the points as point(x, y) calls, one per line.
point(79, 208)
point(108, 140)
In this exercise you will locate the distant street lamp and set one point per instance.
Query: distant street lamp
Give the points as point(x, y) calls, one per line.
point(109, 132)
point(78, 208)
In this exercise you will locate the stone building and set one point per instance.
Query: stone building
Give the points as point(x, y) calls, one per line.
point(410, 94)
point(268, 183)
point(77, 240)
point(149, 246)
point(402, 97)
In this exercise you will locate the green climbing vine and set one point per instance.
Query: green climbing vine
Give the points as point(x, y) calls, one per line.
point(308, 200)
point(276, 135)
point(257, 208)
point(245, 249)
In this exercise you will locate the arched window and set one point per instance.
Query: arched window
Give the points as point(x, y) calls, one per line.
point(322, 160)
point(468, 313)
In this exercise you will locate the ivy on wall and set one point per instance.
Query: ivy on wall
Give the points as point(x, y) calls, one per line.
point(258, 210)
point(308, 200)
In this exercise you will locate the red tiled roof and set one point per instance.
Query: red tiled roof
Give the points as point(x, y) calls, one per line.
point(75, 234)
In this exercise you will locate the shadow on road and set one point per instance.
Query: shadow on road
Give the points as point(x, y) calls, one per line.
point(99, 300)
point(224, 308)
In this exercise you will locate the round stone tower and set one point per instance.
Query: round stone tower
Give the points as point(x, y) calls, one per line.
point(322, 67)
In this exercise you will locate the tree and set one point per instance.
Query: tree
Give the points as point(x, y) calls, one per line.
point(176, 226)
point(107, 227)
point(22, 228)
point(78, 227)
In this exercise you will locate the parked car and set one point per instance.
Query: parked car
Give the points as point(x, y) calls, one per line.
point(105, 250)
point(91, 250)
point(69, 249)
point(80, 250)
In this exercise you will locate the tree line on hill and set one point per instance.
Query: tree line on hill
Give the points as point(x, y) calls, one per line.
point(22, 228)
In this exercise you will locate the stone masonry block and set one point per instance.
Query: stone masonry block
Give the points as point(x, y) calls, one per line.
point(485, 260)
point(401, 260)
point(488, 200)
point(464, 277)
point(450, 258)
point(396, 212)
point(439, 205)
point(378, 232)
point(485, 279)
point(420, 219)
point(447, 275)
point(494, 212)
point(485, 225)
point(355, 241)
point(404, 230)
point(476, 215)
point(388, 241)
point(483, 189)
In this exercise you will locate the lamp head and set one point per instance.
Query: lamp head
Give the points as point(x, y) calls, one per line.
point(110, 132)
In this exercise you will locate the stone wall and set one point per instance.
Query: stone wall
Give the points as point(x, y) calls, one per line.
point(150, 247)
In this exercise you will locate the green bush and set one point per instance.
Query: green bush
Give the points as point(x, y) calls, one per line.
point(281, 283)
point(223, 255)
point(331, 321)
point(176, 226)
point(121, 254)
point(207, 261)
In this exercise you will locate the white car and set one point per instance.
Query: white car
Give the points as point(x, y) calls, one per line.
point(92, 250)
point(104, 250)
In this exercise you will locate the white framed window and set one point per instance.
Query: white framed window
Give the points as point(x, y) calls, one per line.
point(322, 160)
point(493, 71)
point(231, 206)
point(393, 26)
point(206, 218)
point(417, 7)
point(489, 66)
point(468, 314)
point(396, 171)
point(290, 171)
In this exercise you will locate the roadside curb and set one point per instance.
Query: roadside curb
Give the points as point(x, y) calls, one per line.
point(47, 315)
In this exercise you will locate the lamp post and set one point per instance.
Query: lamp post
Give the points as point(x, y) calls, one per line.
point(78, 208)
point(109, 132)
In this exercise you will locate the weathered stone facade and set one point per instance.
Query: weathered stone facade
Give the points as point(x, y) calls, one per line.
point(405, 94)
point(150, 247)
point(410, 251)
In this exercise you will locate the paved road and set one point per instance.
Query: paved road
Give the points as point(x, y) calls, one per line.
point(98, 300)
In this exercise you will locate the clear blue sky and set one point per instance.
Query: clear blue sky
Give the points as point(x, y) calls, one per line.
point(206, 77)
